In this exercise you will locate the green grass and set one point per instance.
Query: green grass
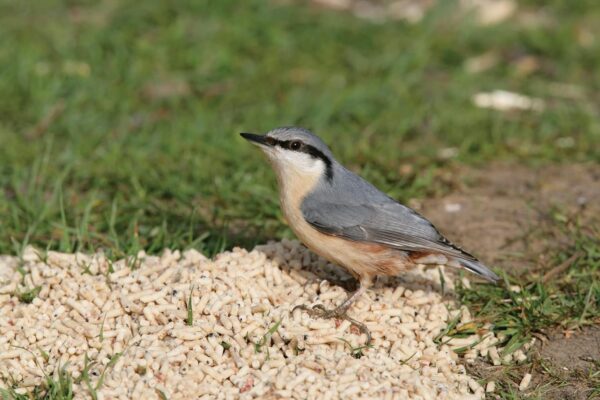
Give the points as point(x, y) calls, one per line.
point(28, 295)
point(56, 387)
point(266, 339)
point(566, 298)
point(119, 124)
point(357, 351)
point(569, 300)
point(93, 156)
point(87, 380)
point(189, 320)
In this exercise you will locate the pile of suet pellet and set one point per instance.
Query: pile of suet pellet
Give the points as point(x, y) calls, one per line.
point(182, 326)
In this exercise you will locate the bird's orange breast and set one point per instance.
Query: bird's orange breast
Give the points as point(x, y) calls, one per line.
point(361, 259)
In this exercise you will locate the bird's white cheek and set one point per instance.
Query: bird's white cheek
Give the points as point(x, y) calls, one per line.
point(302, 163)
point(292, 165)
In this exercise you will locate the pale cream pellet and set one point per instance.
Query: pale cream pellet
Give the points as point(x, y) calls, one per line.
point(525, 382)
point(459, 342)
point(493, 352)
point(129, 305)
point(119, 274)
point(520, 356)
point(8, 289)
point(18, 353)
point(392, 312)
point(238, 296)
point(152, 297)
point(474, 385)
point(162, 279)
point(199, 308)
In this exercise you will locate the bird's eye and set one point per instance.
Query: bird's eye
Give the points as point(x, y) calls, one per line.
point(295, 145)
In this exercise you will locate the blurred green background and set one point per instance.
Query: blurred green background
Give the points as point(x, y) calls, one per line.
point(119, 120)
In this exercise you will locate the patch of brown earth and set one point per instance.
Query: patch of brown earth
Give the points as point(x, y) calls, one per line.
point(573, 359)
point(505, 214)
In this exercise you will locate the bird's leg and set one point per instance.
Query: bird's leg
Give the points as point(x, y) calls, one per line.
point(340, 312)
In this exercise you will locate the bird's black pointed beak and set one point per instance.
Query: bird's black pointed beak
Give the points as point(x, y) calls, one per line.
point(252, 137)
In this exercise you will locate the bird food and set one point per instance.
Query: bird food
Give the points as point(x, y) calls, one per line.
point(181, 326)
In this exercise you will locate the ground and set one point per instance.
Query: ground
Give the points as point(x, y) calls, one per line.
point(119, 131)
point(503, 212)
point(573, 359)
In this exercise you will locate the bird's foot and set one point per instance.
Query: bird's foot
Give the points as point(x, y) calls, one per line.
point(319, 311)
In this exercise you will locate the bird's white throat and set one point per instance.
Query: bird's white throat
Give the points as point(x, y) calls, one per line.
point(297, 175)
point(295, 168)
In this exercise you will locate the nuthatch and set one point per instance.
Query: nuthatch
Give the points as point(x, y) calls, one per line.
point(348, 221)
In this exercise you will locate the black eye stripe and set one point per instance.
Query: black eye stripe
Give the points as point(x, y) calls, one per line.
point(305, 148)
point(295, 145)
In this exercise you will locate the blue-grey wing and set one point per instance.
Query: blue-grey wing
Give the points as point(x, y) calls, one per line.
point(388, 223)
point(354, 209)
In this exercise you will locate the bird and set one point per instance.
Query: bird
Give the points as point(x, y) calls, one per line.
point(345, 219)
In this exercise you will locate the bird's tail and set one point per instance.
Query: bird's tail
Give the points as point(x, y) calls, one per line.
point(478, 268)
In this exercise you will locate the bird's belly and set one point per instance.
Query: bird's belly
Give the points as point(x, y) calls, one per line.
point(363, 260)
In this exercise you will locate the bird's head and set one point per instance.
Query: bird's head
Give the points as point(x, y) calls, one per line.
point(295, 151)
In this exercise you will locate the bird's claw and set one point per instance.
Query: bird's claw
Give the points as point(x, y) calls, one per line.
point(301, 307)
point(319, 311)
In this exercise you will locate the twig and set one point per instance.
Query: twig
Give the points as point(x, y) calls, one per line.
point(561, 267)
point(42, 126)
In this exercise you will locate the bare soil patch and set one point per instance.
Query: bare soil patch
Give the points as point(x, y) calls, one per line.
point(573, 357)
point(504, 213)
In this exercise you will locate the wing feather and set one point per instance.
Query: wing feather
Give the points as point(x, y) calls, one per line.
point(352, 208)
point(393, 225)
